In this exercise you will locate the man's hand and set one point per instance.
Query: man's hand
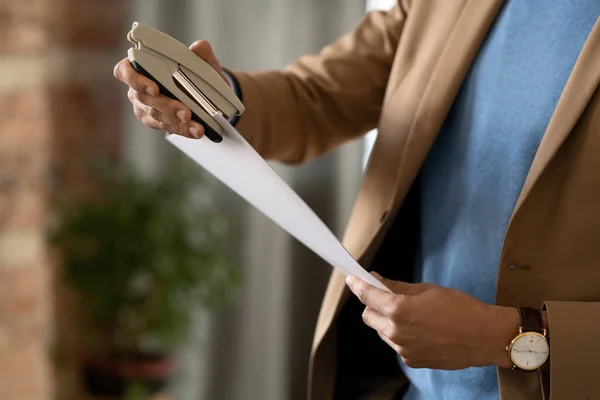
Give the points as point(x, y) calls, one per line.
point(430, 326)
point(158, 111)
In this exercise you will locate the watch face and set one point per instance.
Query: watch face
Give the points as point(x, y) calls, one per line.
point(529, 350)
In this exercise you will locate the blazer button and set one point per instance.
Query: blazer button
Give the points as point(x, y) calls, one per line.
point(520, 267)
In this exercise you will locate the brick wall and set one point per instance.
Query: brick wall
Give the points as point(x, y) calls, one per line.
point(59, 104)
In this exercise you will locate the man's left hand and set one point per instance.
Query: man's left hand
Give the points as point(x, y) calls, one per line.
point(431, 326)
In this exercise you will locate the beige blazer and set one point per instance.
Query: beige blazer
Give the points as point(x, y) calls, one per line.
point(399, 71)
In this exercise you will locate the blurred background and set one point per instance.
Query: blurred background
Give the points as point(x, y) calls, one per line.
point(125, 271)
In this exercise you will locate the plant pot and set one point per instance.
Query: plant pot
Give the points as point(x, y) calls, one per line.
point(112, 377)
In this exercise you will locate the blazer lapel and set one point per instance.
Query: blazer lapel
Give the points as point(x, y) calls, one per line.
point(407, 155)
point(580, 87)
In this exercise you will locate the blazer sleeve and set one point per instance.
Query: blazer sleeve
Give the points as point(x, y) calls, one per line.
point(321, 100)
point(574, 337)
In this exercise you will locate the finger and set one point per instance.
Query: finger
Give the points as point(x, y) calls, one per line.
point(375, 320)
point(370, 295)
point(155, 120)
point(175, 114)
point(384, 325)
point(204, 50)
point(172, 108)
point(139, 113)
point(171, 122)
point(403, 287)
point(151, 122)
point(401, 351)
point(389, 342)
point(127, 74)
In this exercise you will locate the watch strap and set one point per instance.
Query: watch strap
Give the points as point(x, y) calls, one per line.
point(545, 382)
point(531, 320)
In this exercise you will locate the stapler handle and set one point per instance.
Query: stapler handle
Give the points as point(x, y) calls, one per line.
point(208, 131)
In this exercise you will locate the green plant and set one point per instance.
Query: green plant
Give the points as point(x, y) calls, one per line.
point(144, 253)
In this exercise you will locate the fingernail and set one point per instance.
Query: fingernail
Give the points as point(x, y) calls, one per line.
point(181, 114)
point(194, 132)
point(349, 279)
point(150, 91)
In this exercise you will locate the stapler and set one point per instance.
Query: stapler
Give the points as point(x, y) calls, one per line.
point(182, 75)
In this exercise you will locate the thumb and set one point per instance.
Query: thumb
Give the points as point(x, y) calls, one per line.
point(400, 287)
point(204, 50)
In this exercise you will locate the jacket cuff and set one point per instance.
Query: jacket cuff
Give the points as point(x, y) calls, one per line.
point(574, 338)
point(233, 82)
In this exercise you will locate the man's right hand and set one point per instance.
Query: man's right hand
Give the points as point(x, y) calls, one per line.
point(157, 111)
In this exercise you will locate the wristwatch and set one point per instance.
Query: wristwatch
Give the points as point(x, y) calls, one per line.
point(529, 350)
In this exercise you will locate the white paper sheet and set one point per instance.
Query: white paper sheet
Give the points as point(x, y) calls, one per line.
point(235, 163)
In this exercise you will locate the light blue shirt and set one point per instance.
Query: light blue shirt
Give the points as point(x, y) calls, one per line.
point(472, 178)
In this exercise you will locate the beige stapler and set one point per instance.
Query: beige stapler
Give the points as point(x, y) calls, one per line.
point(182, 75)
